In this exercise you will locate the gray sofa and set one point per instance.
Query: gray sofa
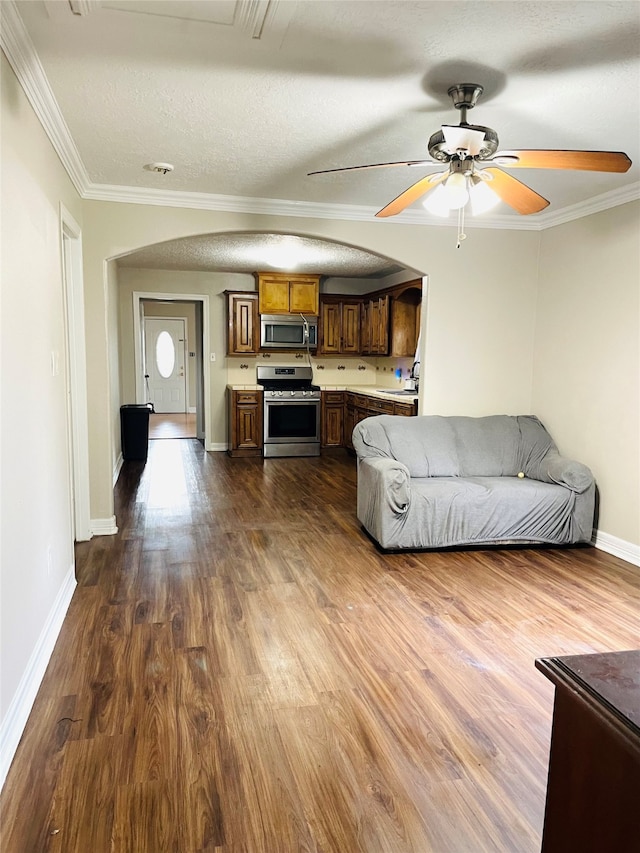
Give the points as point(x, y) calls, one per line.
point(438, 482)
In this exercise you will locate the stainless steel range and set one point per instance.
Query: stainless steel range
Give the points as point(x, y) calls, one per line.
point(291, 411)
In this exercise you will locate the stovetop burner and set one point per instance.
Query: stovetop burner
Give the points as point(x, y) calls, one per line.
point(288, 386)
point(286, 379)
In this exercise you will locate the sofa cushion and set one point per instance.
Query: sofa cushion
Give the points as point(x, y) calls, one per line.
point(437, 446)
point(476, 510)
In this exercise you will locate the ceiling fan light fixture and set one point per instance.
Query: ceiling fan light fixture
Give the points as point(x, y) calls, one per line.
point(436, 202)
point(456, 190)
point(482, 198)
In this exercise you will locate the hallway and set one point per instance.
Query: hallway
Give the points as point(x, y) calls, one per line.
point(172, 425)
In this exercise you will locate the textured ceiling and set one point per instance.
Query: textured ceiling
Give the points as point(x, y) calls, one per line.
point(259, 253)
point(245, 97)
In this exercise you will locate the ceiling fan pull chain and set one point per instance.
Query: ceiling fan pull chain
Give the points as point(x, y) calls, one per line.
point(461, 235)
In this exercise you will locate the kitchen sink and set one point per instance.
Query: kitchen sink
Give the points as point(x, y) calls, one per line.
point(400, 392)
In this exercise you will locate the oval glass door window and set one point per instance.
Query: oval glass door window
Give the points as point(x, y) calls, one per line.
point(165, 355)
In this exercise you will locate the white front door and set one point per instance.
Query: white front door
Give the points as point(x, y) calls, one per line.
point(165, 363)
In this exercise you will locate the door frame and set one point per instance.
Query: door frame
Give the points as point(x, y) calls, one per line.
point(76, 375)
point(185, 356)
point(138, 360)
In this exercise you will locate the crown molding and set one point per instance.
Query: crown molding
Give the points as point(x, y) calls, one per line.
point(284, 207)
point(21, 53)
point(353, 212)
point(598, 203)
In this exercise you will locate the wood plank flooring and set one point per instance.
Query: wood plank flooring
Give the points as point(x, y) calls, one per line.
point(179, 425)
point(241, 671)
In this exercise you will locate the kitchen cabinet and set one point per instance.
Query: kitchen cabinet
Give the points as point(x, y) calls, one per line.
point(407, 410)
point(332, 419)
point(390, 320)
point(365, 327)
point(376, 319)
point(361, 406)
point(288, 293)
point(339, 332)
point(404, 319)
point(245, 423)
point(243, 326)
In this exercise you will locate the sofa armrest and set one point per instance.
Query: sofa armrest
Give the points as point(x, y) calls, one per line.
point(558, 469)
point(384, 497)
point(385, 483)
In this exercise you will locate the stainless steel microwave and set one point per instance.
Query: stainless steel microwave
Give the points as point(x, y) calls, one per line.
point(288, 331)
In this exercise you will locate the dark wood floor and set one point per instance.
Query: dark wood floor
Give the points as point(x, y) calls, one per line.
point(180, 425)
point(242, 671)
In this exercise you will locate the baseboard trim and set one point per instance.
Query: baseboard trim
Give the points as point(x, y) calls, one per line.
point(217, 446)
point(192, 410)
point(18, 712)
point(104, 526)
point(618, 547)
point(116, 469)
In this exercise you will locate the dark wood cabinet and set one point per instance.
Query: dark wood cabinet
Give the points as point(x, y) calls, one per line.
point(376, 318)
point(361, 406)
point(243, 324)
point(365, 327)
point(339, 332)
point(288, 293)
point(594, 760)
point(407, 410)
point(245, 423)
point(404, 319)
point(332, 419)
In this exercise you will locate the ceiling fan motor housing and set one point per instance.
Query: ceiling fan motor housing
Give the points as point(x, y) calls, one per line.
point(439, 150)
point(465, 95)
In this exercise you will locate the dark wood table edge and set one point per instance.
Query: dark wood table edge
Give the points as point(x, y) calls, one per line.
point(561, 675)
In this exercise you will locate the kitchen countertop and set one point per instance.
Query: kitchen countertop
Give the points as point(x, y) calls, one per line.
point(355, 389)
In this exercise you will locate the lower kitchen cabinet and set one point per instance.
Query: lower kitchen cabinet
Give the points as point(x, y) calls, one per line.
point(245, 423)
point(332, 419)
point(360, 406)
point(407, 410)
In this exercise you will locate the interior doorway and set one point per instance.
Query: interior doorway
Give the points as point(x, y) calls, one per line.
point(184, 413)
point(75, 376)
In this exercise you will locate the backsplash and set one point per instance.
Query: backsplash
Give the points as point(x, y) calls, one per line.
point(377, 372)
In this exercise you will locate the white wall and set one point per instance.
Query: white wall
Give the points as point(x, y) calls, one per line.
point(36, 533)
point(586, 385)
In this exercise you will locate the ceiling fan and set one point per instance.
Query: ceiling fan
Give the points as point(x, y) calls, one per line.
point(471, 154)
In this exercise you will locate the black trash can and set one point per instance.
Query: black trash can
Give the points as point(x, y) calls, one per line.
point(134, 430)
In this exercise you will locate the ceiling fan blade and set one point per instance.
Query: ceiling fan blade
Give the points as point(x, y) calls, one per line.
point(588, 161)
point(377, 166)
point(414, 192)
point(516, 194)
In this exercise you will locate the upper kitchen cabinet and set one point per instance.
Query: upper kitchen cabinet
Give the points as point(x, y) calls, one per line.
point(339, 325)
point(375, 324)
point(287, 293)
point(404, 320)
point(243, 327)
